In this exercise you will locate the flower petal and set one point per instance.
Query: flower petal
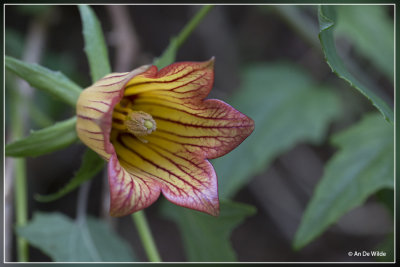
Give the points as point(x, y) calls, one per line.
point(94, 110)
point(189, 131)
point(128, 191)
point(191, 81)
point(187, 181)
point(210, 129)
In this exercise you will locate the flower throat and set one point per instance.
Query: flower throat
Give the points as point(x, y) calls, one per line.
point(138, 123)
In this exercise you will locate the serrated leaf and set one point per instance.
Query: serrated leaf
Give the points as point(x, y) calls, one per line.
point(327, 21)
point(370, 28)
point(44, 141)
point(95, 46)
point(206, 238)
point(363, 165)
point(52, 82)
point(65, 240)
point(287, 108)
point(91, 165)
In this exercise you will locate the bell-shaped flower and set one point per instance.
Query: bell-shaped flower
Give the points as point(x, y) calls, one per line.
point(156, 130)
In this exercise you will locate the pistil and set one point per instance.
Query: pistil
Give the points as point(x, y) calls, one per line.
point(138, 123)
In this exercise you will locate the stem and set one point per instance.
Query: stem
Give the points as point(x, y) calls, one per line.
point(21, 207)
point(143, 228)
point(184, 34)
point(33, 51)
point(20, 187)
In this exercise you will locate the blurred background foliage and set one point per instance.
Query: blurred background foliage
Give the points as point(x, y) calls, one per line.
point(314, 134)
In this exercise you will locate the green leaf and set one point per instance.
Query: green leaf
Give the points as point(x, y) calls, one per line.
point(65, 240)
point(287, 108)
point(95, 46)
point(362, 166)
point(370, 28)
point(206, 238)
point(327, 20)
point(91, 165)
point(168, 56)
point(53, 82)
point(44, 141)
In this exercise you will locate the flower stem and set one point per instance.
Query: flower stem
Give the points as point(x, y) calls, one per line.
point(143, 228)
point(184, 34)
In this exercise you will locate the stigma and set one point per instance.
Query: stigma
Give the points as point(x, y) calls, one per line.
point(138, 123)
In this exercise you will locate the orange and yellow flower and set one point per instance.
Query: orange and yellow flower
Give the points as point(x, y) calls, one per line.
point(156, 130)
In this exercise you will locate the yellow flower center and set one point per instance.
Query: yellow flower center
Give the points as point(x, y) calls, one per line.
point(138, 123)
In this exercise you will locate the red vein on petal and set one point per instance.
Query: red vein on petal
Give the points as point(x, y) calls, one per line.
point(91, 132)
point(155, 81)
point(114, 75)
point(206, 117)
point(95, 139)
point(99, 101)
point(85, 117)
point(177, 165)
point(141, 200)
point(201, 126)
point(155, 77)
point(197, 136)
point(201, 147)
point(155, 165)
point(152, 176)
point(95, 109)
point(189, 82)
point(208, 151)
point(174, 154)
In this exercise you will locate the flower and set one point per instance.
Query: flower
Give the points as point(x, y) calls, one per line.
point(156, 130)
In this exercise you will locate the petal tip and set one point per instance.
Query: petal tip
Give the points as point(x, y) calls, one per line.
point(211, 61)
point(214, 211)
point(129, 193)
